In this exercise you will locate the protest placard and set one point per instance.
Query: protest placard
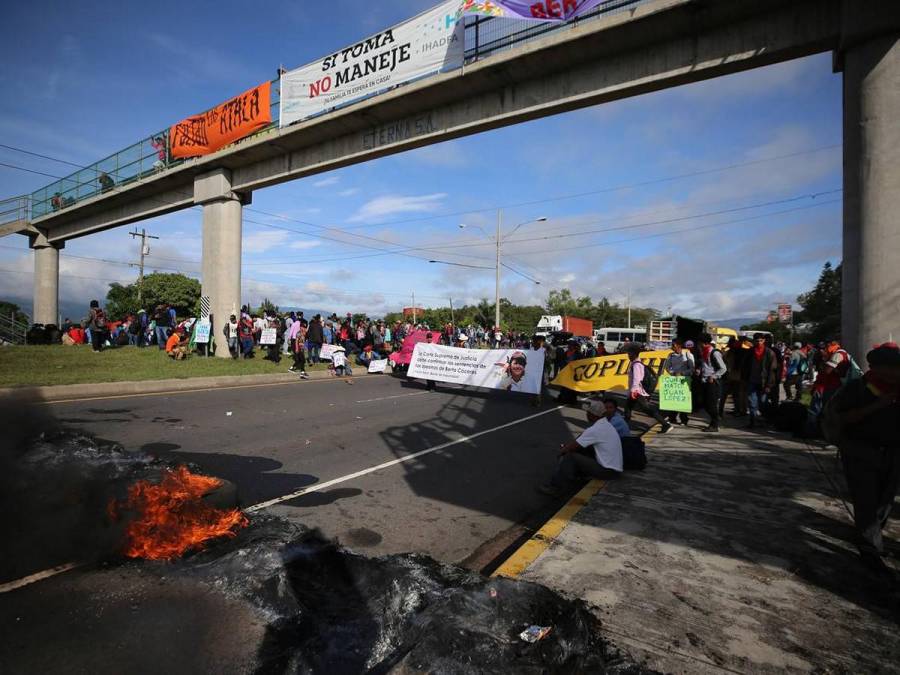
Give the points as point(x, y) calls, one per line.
point(201, 333)
point(326, 352)
point(675, 394)
point(378, 365)
point(268, 336)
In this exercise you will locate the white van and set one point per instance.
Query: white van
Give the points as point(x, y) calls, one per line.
point(613, 338)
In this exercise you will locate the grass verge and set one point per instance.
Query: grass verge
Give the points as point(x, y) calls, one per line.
point(41, 365)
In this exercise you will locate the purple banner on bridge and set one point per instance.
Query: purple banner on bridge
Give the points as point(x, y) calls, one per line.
point(537, 10)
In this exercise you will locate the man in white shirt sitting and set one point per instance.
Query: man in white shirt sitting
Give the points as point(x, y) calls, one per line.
point(596, 453)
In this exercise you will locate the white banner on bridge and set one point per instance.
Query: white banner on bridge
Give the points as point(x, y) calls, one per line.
point(507, 369)
point(430, 42)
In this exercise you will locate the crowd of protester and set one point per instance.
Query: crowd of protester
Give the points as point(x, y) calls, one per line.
point(810, 389)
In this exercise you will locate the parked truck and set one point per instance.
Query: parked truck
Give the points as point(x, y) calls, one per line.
point(663, 331)
point(555, 323)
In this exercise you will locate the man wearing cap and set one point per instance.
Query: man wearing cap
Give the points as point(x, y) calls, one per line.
point(597, 453)
point(711, 367)
point(863, 420)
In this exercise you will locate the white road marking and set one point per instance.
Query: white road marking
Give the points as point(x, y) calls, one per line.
point(393, 462)
point(38, 576)
point(52, 572)
point(385, 398)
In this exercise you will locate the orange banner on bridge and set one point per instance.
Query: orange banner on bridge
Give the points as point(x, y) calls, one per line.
point(222, 125)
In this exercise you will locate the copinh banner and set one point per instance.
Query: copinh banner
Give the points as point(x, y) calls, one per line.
point(536, 10)
point(506, 369)
point(428, 43)
point(605, 373)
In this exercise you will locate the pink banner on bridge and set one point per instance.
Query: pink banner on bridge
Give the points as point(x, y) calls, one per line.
point(537, 10)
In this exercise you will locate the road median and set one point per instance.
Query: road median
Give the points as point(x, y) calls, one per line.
point(70, 392)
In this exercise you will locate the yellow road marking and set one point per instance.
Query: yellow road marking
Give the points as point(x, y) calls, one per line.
point(531, 550)
point(519, 561)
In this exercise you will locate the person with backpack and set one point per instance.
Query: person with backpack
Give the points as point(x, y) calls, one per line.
point(641, 385)
point(796, 370)
point(863, 419)
point(596, 453)
point(711, 369)
point(97, 324)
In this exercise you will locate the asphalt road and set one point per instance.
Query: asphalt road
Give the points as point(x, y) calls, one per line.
point(465, 502)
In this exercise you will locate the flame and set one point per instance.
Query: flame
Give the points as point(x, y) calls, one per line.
point(171, 517)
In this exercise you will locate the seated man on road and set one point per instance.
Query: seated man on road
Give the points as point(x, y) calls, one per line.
point(177, 344)
point(615, 417)
point(596, 453)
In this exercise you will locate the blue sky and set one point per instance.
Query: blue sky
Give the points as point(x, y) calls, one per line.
point(79, 85)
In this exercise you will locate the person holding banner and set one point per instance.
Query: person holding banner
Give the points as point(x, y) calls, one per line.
point(596, 453)
point(638, 396)
point(430, 385)
point(679, 363)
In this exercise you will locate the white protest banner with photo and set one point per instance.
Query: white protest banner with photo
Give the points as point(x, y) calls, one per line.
point(201, 332)
point(507, 369)
point(327, 351)
point(378, 365)
point(430, 42)
point(268, 336)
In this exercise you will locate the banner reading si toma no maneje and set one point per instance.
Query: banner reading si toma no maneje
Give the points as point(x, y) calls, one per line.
point(507, 369)
point(226, 123)
point(430, 42)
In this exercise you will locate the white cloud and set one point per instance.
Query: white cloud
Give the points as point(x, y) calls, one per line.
point(349, 192)
point(304, 244)
point(381, 207)
point(325, 182)
point(260, 242)
point(444, 155)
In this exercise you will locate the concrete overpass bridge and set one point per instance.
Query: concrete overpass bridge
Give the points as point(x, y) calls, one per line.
point(631, 48)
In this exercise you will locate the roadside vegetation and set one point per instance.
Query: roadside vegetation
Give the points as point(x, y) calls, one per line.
point(39, 365)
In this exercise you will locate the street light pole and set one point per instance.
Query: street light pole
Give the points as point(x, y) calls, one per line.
point(497, 291)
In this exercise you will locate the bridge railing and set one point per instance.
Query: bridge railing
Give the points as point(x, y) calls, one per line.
point(147, 158)
point(15, 208)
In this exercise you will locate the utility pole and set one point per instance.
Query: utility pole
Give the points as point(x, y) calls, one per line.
point(145, 251)
point(452, 318)
point(414, 308)
point(497, 291)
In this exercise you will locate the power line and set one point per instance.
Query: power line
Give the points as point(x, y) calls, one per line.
point(687, 229)
point(608, 189)
point(22, 168)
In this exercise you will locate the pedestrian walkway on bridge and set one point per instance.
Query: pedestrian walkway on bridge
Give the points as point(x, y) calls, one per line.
point(730, 554)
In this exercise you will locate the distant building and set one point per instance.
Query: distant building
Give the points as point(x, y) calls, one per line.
point(409, 311)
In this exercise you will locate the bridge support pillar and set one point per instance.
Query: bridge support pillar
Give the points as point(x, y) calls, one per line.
point(221, 263)
point(46, 280)
point(871, 264)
